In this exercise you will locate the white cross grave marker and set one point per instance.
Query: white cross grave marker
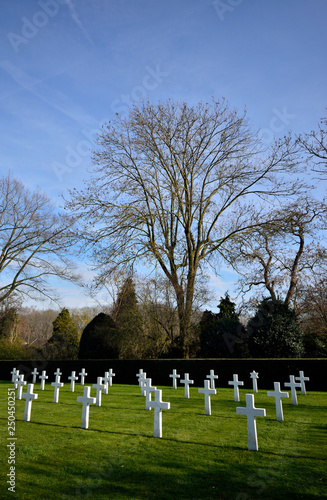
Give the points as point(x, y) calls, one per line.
point(83, 374)
point(251, 412)
point(110, 375)
point(57, 384)
point(58, 372)
point(207, 391)
point(72, 379)
point(16, 378)
point(148, 388)
point(293, 385)
point(174, 376)
point(43, 378)
point(235, 382)
point(34, 373)
point(158, 406)
point(20, 383)
point(13, 374)
point(212, 378)
point(254, 375)
point(98, 386)
point(187, 383)
point(29, 396)
point(87, 401)
point(302, 380)
point(139, 374)
point(278, 395)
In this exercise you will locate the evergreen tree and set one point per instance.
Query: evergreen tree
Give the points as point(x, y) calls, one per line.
point(132, 342)
point(8, 324)
point(99, 339)
point(64, 341)
point(227, 309)
point(222, 334)
point(274, 331)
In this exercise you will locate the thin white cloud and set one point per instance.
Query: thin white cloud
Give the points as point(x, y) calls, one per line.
point(53, 97)
point(77, 21)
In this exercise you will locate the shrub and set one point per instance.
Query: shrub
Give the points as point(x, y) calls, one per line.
point(99, 339)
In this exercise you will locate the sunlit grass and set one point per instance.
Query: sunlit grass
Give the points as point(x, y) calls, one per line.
point(198, 457)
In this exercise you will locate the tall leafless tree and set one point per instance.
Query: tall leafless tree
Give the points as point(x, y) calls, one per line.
point(172, 184)
point(35, 240)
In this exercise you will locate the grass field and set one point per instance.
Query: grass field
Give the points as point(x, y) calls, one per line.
point(198, 457)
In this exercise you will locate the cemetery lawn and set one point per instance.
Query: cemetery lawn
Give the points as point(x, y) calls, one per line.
point(199, 457)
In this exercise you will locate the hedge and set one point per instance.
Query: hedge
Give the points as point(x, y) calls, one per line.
point(270, 370)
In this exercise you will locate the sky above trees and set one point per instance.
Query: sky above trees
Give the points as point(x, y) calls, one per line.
point(66, 67)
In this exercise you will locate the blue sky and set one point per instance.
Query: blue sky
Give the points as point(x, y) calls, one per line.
point(67, 66)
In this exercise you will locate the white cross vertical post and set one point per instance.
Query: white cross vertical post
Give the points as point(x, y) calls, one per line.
point(58, 373)
point(98, 386)
point(278, 395)
point(251, 412)
point(16, 378)
point(110, 375)
point(148, 388)
point(43, 378)
point(158, 406)
point(105, 381)
point(34, 373)
point(139, 374)
point(142, 383)
point(21, 382)
point(57, 384)
point(83, 374)
point(29, 396)
point(187, 383)
point(72, 379)
point(174, 376)
point(212, 378)
point(254, 375)
point(13, 374)
point(87, 401)
point(293, 385)
point(235, 382)
point(207, 391)
point(302, 380)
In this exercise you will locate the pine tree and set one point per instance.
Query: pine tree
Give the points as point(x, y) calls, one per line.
point(64, 341)
point(129, 322)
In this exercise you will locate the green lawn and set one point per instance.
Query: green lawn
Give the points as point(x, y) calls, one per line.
point(199, 457)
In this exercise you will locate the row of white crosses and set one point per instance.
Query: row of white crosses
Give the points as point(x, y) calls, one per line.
point(102, 384)
point(146, 387)
point(250, 411)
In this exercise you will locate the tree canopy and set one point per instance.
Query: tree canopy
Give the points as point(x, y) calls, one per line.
point(172, 184)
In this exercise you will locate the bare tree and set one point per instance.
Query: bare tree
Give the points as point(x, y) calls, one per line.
point(314, 308)
point(315, 145)
point(171, 185)
point(34, 241)
point(282, 255)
